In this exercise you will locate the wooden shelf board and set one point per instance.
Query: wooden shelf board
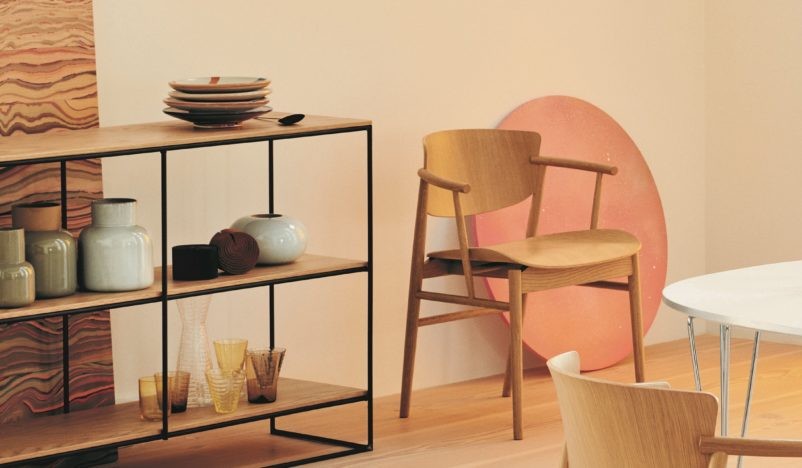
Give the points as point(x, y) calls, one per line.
point(81, 300)
point(51, 435)
point(306, 265)
point(158, 135)
point(292, 393)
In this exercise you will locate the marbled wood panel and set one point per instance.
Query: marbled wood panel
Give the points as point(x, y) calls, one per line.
point(47, 66)
point(48, 83)
point(33, 353)
point(41, 182)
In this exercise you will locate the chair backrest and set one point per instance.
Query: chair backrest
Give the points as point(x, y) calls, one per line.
point(610, 425)
point(496, 164)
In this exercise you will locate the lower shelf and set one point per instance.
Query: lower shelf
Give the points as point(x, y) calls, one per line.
point(117, 424)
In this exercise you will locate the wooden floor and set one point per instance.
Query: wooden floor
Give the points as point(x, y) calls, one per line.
point(468, 424)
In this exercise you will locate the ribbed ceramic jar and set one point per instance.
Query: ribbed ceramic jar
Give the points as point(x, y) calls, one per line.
point(116, 254)
point(281, 239)
point(51, 250)
point(17, 278)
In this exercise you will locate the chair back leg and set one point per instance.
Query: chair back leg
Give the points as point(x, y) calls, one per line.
point(413, 301)
point(636, 320)
point(410, 343)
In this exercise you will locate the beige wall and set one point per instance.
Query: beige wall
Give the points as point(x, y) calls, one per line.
point(754, 121)
point(412, 66)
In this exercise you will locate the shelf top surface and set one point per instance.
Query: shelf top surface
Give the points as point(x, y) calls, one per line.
point(146, 137)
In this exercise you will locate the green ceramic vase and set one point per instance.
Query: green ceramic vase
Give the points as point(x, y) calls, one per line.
point(17, 279)
point(51, 250)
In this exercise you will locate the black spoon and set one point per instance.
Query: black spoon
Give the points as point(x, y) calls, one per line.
point(286, 120)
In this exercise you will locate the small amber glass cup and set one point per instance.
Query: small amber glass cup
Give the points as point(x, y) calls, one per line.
point(230, 353)
point(262, 367)
point(150, 399)
point(179, 389)
point(225, 387)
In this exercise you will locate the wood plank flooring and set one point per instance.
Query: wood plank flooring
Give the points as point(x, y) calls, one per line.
point(468, 424)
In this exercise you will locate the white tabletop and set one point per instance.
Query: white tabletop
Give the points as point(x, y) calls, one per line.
point(765, 297)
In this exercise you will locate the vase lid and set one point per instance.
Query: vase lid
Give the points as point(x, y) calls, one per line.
point(12, 246)
point(37, 216)
point(114, 212)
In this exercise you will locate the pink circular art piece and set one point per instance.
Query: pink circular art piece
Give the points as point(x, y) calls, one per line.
point(595, 322)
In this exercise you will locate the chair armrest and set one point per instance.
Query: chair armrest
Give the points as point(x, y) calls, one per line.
point(751, 447)
point(574, 164)
point(443, 183)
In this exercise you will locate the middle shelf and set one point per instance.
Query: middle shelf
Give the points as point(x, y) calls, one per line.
point(307, 267)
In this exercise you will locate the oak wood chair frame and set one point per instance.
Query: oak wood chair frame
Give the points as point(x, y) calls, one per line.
point(614, 425)
point(445, 187)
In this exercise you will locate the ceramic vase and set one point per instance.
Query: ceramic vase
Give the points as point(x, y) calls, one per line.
point(116, 254)
point(193, 353)
point(51, 250)
point(17, 278)
point(281, 239)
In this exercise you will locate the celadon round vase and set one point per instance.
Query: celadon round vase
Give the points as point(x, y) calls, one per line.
point(51, 250)
point(116, 254)
point(281, 239)
point(17, 277)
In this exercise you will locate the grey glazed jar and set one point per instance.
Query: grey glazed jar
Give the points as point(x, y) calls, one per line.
point(17, 278)
point(116, 254)
point(52, 251)
point(281, 239)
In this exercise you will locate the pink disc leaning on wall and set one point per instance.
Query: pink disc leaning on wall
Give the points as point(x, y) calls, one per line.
point(593, 321)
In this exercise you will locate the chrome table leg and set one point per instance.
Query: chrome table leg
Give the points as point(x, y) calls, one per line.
point(694, 358)
point(724, 351)
point(749, 388)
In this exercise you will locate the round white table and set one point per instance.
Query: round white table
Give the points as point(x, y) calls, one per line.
point(762, 298)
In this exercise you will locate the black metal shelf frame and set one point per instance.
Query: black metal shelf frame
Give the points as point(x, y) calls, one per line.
point(349, 447)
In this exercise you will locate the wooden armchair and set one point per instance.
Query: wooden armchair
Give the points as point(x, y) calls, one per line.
point(613, 425)
point(467, 172)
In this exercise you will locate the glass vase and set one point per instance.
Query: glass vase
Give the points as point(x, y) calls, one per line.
point(193, 353)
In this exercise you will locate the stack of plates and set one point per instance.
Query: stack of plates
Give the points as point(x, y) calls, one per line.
point(218, 101)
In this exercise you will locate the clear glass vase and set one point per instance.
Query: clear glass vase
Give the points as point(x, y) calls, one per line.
point(193, 353)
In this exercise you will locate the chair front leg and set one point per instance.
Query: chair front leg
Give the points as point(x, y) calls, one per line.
point(505, 392)
point(636, 320)
point(516, 321)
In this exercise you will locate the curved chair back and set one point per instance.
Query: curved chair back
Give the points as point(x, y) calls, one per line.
point(495, 163)
point(611, 425)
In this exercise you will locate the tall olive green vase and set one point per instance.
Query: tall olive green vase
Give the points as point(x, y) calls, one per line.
point(17, 281)
point(51, 250)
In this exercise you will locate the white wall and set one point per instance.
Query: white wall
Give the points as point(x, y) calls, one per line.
point(413, 67)
point(754, 121)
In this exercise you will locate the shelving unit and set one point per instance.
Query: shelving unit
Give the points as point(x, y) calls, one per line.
point(118, 425)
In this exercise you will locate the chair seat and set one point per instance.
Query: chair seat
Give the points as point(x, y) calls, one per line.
point(555, 251)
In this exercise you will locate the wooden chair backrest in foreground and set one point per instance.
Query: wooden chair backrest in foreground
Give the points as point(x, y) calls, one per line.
point(614, 425)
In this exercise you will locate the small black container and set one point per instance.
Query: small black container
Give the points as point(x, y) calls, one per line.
point(194, 262)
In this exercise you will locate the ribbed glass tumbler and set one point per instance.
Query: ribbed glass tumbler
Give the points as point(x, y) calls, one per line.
point(193, 353)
